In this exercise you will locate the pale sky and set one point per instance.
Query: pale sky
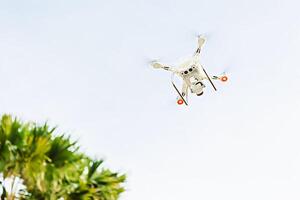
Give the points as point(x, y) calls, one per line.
point(83, 65)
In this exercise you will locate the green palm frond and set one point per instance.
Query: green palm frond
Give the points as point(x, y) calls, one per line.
point(92, 169)
point(51, 166)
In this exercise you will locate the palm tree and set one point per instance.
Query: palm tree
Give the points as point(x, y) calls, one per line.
point(98, 185)
point(11, 137)
point(36, 164)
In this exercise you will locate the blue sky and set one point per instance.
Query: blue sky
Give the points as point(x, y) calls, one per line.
point(82, 65)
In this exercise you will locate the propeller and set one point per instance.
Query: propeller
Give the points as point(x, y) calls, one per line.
point(223, 76)
point(200, 33)
point(153, 62)
point(201, 40)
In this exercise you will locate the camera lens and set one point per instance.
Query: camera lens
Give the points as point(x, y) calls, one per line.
point(186, 72)
point(190, 69)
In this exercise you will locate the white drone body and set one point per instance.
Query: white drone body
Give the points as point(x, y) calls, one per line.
point(192, 73)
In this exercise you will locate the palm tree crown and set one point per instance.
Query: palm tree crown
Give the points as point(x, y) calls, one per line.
point(36, 164)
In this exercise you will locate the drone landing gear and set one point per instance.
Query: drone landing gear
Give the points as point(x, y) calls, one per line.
point(181, 100)
point(209, 79)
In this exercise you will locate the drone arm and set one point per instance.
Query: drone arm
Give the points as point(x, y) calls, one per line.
point(201, 41)
point(222, 77)
point(184, 90)
point(158, 65)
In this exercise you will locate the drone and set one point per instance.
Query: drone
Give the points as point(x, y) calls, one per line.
point(192, 74)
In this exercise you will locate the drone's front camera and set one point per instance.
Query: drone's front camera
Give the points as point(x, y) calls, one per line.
point(190, 69)
point(186, 72)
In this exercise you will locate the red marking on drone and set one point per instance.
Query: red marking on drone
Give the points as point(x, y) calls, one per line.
point(224, 78)
point(180, 102)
